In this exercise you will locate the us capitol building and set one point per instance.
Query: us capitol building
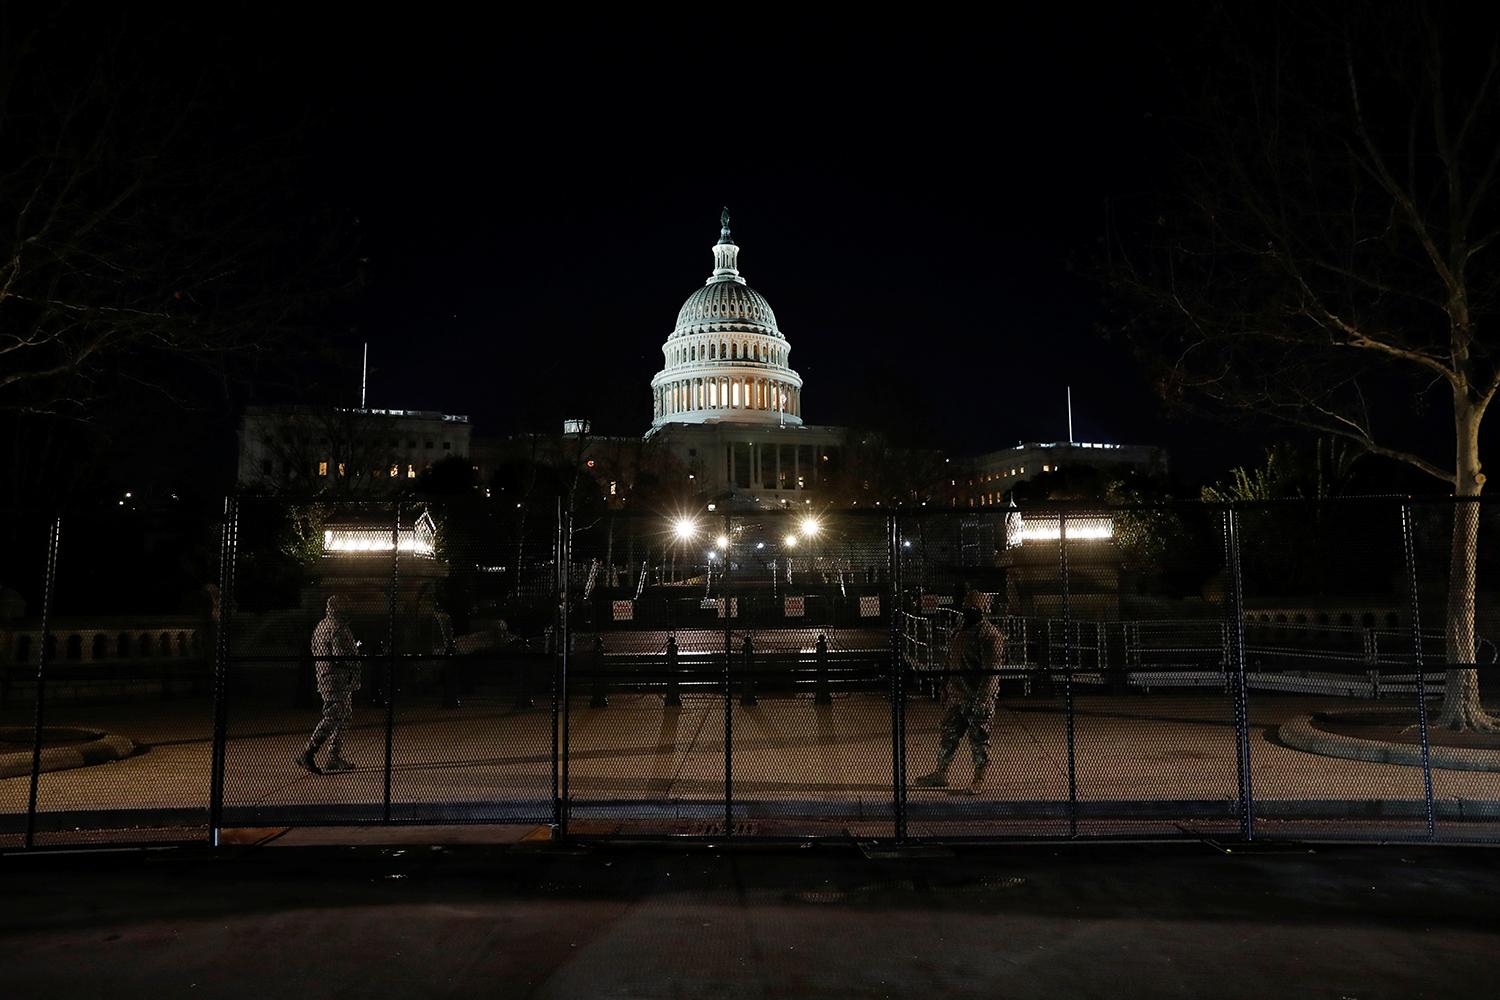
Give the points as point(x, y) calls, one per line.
point(727, 402)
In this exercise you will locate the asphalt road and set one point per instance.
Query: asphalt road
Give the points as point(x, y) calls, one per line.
point(418, 920)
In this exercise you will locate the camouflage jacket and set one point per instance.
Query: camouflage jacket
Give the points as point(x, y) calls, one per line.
point(333, 649)
point(975, 654)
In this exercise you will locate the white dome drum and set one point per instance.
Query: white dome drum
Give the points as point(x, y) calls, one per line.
point(726, 360)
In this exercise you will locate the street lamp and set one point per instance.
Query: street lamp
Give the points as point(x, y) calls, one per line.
point(685, 528)
point(722, 541)
point(810, 527)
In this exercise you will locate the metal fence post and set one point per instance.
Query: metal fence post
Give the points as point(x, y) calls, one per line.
point(390, 664)
point(1235, 634)
point(898, 677)
point(1067, 651)
point(228, 552)
point(674, 696)
point(49, 583)
point(562, 638)
point(1409, 548)
point(728, 691)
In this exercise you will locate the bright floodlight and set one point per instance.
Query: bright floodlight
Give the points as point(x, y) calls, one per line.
point(684, 528)
point(722, 541)
point(791, 541)
point(810, 527)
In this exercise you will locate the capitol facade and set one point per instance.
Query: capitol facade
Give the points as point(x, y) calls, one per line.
point(728, 403)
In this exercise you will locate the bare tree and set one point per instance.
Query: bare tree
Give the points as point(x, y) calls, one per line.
point(153, 237)
point(1326, 255)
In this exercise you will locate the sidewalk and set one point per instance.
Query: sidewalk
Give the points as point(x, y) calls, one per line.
point(1142, 764)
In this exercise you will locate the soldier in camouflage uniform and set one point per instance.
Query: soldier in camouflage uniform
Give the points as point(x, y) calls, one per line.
point(975, 651)
point(333, 648)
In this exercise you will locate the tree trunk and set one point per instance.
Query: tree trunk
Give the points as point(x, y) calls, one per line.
point(1462, 708)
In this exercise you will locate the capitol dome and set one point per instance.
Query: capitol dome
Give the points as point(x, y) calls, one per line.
point(726, 360)
point(726, 306)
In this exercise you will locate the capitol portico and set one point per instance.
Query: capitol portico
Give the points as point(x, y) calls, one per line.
point(727, 401)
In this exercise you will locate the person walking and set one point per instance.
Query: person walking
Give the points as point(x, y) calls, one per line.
point(975, 651)
point(334, 649)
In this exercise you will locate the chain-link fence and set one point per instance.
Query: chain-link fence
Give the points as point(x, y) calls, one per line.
point(106, 707)
point(1300, 670)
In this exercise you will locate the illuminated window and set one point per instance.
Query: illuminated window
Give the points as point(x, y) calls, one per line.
point(613, 491)
point(411, 472)
point(322, 468)
point(395, 470)
point(1046, 468)
point(735, 395)
point(341, 468)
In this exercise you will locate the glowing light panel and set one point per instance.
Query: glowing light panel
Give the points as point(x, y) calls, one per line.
point(1047, 529)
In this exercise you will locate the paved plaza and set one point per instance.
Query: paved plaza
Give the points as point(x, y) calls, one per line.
point(1142, 763)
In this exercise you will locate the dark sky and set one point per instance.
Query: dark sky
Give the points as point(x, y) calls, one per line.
point(921, 205)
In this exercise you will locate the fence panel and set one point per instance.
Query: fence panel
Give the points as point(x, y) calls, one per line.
point(127, 688)
point(644, 712)
point(472, 737)
point(290, 559)
point(1025, 788)
point(810, 654)
point(1153, 697)
point(1327, 647)
point(1456, 551)
point(20, 646)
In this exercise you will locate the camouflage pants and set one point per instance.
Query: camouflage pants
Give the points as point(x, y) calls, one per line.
point(338, 706)
point(974, 717)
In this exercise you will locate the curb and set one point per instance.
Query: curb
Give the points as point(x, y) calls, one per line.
point(107, 747)
point(1301, 734)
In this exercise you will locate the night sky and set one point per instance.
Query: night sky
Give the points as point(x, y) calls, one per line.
point(925, 206)
point(922, 209)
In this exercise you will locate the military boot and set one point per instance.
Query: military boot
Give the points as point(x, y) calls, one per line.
point(938, 778)
point(336, 762)
point(979, 772)
point(307, 763)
